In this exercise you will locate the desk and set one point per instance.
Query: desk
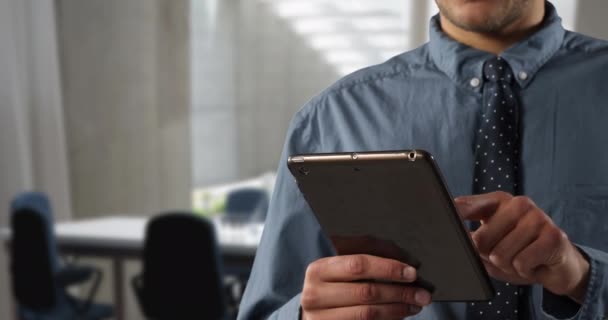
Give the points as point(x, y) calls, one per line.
point(120, 238)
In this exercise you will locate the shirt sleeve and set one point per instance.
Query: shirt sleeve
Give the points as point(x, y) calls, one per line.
point(595, 304)
point(292, 239)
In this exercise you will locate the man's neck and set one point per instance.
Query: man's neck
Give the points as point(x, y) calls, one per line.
point(496, 42)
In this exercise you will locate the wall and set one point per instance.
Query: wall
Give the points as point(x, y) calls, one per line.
point(251, 73)
point(125, 71)
point(591, 18)
point(280, 72)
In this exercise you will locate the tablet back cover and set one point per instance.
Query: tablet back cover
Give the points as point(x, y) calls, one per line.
point(394, 204)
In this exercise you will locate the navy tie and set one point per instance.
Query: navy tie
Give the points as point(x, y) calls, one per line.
point(496, 164)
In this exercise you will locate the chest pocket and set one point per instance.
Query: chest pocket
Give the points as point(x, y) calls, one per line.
point(583, 215)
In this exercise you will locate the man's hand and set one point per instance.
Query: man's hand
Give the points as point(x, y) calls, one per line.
point(519, 243)
point(341, 287)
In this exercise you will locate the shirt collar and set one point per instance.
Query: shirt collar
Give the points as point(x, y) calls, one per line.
point(463, 64)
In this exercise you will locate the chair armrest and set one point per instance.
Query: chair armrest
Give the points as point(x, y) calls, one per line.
point(136, 284)
point(73, 274)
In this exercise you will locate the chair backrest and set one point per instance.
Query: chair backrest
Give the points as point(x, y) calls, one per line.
point(182, 277)
point(247, 202)
point(34, 259)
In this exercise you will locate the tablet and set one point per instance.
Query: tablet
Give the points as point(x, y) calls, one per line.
point(394, 204)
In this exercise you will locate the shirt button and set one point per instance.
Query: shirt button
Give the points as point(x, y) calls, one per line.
point(523, 75)
point(475, 82)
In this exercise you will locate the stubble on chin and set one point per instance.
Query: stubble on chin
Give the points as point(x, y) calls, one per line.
point(504, 15)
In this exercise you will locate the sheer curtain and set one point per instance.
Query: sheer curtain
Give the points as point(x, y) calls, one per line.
point(31, 121)
point(32, 141)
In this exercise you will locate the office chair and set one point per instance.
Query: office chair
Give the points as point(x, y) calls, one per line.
point(182, 275)
point(39, 280)
point(247, 205)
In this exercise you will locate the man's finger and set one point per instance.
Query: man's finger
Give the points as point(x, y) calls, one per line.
point(381, 311)
point(505, 220)
point(544, 251)
point(345, 294)
point(503, 253)
point(480, 206)
point(363, 267)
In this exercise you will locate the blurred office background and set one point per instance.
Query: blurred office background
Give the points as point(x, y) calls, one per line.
point(135, 107)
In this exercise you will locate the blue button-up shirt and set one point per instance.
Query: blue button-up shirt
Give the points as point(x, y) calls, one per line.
point(431, 98)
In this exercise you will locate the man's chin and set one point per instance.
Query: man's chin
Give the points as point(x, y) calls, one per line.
point(478, 24)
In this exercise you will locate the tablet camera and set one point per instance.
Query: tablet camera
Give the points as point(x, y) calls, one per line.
point(411, 156)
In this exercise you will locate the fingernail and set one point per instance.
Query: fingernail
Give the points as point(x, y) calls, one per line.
point(408, 273)
point(415, 309)
point(462, 200)
point(422, 297)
